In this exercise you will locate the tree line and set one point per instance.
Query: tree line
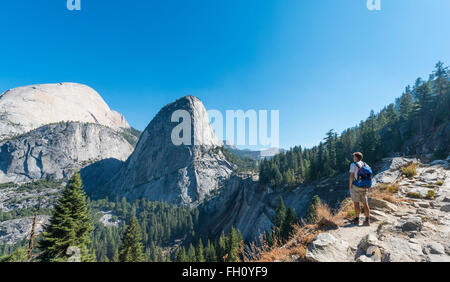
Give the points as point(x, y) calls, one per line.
point(139, 231)
point(422, 108)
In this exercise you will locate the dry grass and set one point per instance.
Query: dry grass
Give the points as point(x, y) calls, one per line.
point(409, 170)
point(390, 188)
point(347, 209)
point(386, 192)
point(294, 249)
point(303, 235)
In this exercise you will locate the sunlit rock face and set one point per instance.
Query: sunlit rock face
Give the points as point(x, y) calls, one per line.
point(26, 108)
point(57, 150)
point(181, 174)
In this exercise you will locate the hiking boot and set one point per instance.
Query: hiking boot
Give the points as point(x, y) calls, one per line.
point(367, 222)
point(355, 221)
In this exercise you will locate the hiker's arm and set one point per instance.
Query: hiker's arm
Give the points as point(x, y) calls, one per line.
point(350, 181)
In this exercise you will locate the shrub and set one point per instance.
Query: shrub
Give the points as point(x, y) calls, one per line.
point(440, 183)
point(391, 188)
point(415, 195)
point(431, 194)
point(409, 170)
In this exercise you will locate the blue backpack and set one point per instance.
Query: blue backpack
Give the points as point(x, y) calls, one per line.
point(364, 176)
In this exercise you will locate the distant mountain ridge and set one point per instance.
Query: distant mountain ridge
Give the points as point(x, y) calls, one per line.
point(253, 154)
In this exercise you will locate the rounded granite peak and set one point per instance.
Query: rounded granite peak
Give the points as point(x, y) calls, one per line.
point(26, 108)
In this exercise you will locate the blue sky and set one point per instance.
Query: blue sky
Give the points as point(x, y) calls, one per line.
point(322, 63)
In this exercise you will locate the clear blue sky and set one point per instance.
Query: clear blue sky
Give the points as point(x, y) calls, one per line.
point(323, 63)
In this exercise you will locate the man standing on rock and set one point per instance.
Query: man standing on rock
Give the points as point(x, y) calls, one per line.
point(358, 194)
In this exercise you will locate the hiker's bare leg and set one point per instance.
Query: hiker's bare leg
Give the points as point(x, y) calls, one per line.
point(366, 210)
point(357, 209)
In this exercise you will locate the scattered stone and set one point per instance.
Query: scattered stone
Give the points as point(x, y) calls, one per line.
point(365, 258)
point(445, 208)
point(412, 224)
point(374, 253)
point(421, 211)
point(434, 248)
point(368, 241)
point(423, 204)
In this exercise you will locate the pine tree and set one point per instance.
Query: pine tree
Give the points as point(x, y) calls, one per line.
point(200, 252)
point(181, 255)
point(70, 225)
point(280, 213)
point(311, 214)
point(288, 225)
point(19, 255)
point(210, 252)
point(131, 249)
point(191, 254)
point(222, 247)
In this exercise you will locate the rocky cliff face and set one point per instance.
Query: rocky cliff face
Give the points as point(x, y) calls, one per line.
point(26, 108)
point(179, 174)
point(57, 150)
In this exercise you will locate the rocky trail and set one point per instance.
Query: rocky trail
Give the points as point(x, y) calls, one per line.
point(415, 228)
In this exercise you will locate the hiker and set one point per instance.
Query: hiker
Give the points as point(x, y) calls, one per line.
point(359, 183)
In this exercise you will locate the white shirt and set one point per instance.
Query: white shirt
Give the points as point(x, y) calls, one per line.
point(354, 168)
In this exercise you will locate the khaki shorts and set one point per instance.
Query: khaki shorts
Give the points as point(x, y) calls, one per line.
point(359, 194)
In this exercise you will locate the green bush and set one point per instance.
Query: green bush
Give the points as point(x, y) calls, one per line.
point(414, 195)
point(431, 194)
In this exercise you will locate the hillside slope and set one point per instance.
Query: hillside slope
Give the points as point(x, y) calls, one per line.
point(413, 227)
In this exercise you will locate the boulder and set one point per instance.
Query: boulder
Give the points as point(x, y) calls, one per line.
point(445, 208)
point(378, 204)
point(327, 248)
point(434, 248)
point(412, 224)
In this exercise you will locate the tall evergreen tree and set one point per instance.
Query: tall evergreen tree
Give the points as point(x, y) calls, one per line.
point(311, 214)
point(181, 255)
point(131, 249)
point(210, 252)
point(200, 252)
point(288, 225)
point(70, 225)
point(280, 213)
point(191, 254)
